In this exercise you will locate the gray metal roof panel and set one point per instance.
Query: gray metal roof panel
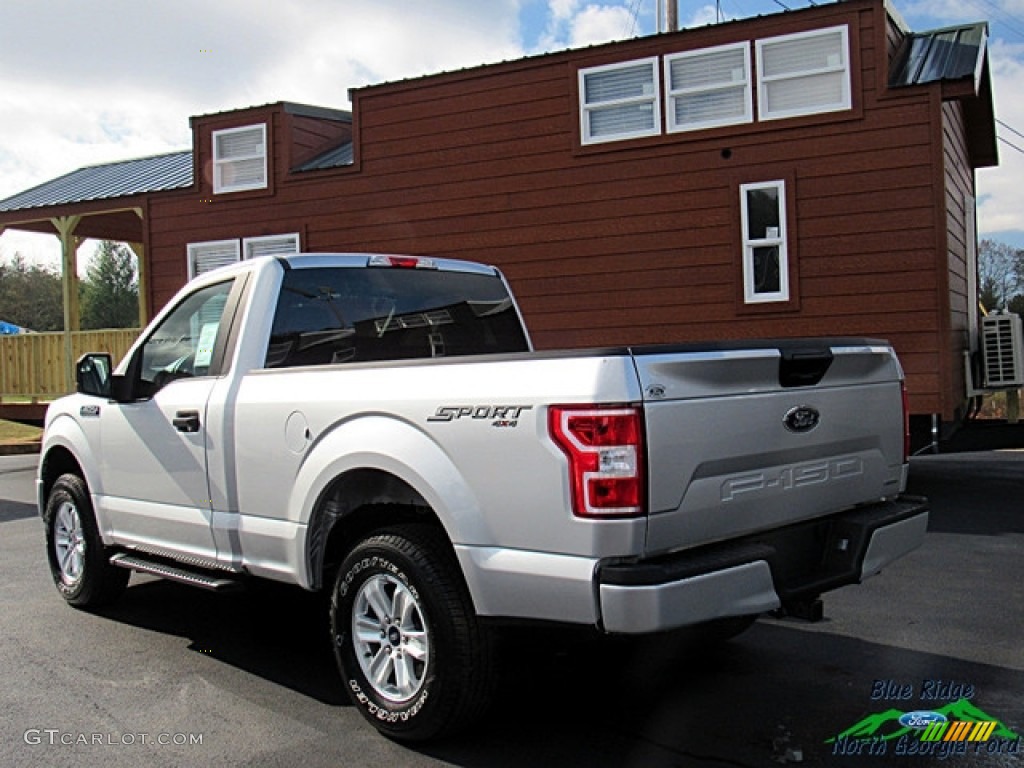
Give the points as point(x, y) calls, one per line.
point(109, 180)
point(333, 158)
point(942, 54)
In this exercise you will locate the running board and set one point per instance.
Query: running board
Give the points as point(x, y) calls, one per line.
point(203, 580)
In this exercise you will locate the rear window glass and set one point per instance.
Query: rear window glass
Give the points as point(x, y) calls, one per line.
point(342, 315)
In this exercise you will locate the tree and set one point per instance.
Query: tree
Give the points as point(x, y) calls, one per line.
point(31, 296)
point(1000, 275)
point(110, 291)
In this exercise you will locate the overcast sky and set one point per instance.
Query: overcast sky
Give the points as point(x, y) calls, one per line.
point(94, 81)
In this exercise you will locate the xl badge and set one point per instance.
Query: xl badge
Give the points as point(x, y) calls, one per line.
point(803, 418)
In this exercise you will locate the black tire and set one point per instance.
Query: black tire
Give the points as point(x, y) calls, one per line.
point(79, 563)
point(433, 666)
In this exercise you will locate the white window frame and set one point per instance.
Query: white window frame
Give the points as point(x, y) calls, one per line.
point(653, 98)
point(220, 163)
point(764, 81)
point(195, 251)
point(290, 242)
point(672, 94)
point(780, 240)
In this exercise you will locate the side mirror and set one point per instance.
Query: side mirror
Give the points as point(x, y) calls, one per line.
point(92, 372)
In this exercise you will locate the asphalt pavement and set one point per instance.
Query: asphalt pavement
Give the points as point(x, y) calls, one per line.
point(175, 676)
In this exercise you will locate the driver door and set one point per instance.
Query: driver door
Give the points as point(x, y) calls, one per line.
point(156, 495)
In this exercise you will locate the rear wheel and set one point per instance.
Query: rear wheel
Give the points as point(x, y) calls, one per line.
point(78, 560)
point(415, 660)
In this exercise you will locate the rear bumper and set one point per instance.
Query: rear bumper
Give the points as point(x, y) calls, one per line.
point(761, 572)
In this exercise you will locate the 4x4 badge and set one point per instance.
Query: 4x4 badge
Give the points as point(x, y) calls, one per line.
point(803, 418)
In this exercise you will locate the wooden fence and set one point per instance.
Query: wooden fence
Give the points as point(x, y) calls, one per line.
point(40, 366)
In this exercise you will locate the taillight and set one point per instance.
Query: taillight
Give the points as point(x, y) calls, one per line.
point(606, 458)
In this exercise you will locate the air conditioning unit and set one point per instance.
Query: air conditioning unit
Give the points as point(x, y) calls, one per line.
point(1002, 344)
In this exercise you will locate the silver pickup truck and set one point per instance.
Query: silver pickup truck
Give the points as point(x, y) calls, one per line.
point(378, 427)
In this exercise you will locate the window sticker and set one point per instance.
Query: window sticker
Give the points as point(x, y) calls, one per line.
point(207, 337)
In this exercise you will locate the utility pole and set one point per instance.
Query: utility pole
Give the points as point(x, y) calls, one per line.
point(668, 15)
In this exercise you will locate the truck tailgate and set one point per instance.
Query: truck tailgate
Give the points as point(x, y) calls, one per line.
point(747, 437)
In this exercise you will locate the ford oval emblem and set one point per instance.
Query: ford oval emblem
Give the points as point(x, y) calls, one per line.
point(803, 418)
point(921, 719)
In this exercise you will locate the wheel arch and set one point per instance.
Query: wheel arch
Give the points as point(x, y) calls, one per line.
point(354, 505)
point(373, 472)
point(66, 450)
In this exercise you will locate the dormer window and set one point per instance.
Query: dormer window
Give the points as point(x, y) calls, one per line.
point(240, 159)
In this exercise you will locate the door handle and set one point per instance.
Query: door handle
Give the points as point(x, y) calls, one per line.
point(186, 421)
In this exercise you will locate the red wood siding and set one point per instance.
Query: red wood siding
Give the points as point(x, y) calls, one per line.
point(630, 241)
point(959, 197)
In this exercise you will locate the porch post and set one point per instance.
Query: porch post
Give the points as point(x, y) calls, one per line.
point(65, 226)
point(140, 256)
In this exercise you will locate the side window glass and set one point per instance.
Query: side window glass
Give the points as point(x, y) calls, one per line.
point(184, 344)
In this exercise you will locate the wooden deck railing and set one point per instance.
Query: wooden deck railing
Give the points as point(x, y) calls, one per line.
point(40, 366)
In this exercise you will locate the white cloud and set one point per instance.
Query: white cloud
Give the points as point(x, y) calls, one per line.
point(1002, 201)
point(704, 16)
point(571, 25)
point(600, 24)
point(562, 10)
point(373, 43)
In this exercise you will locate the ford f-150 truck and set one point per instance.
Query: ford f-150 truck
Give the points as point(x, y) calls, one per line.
point(379, 427)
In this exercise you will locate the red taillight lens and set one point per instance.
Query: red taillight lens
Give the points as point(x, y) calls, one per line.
point(605, 450)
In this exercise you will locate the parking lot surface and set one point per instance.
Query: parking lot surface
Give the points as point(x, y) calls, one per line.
point(175, 676)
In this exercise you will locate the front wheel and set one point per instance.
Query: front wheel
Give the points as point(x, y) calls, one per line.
point(414, 659)
point(77, 557)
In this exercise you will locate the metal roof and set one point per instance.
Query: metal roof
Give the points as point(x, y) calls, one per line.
point(953, 53)
point(106, 181)
point(332, 158)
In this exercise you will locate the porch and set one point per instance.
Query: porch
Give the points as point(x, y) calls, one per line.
point(36, 368)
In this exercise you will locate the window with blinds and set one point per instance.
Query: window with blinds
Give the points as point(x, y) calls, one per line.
point(240, 159)
point(620, 101)
point(803, 74)
point(271, 245)
point(708, 88)
point(202, 257)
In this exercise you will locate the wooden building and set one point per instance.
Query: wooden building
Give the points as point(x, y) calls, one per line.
point(807, 173)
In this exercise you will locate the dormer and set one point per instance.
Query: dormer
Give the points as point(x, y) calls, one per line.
point(247, 152)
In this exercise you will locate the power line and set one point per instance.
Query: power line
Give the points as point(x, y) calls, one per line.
point(635, 13)
point(1010, 128)
point(1005, 15)
point(1010, 144)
